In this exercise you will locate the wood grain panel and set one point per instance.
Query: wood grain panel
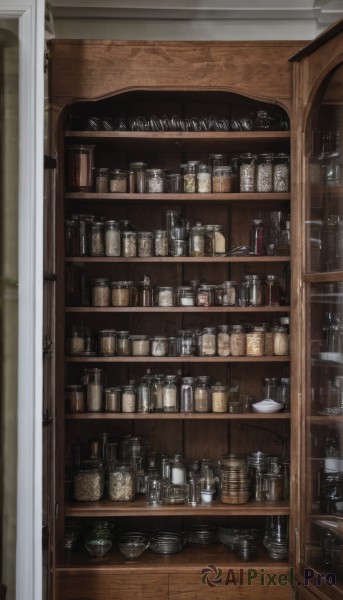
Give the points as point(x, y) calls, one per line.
point(100, 586)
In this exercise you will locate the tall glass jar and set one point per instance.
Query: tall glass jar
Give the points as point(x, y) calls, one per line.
point(170, 395)
point(100, 292)
point(106, 342)
point(189, 179)
point(272, 291)
point(230, 293)
point(145, 243)
point(255, 342)
point(197, 240)
point(281, 341)
point(161, 242)
point(128, 399)
point(204, 180)
point(76, 343)
point(247, 173)
point(281, 175)
point(238, 341)
point(255, 289)
point(187, 343)
point(128, 244)
point(223, 340)
point(97, 246)
point(157, 392)
point(208, 341)
point(123, 343)
point(154, 181)
point(80, 163)
point(95, 389)
point(70, 243)
point(145, 292)
point(219, 398)
point(221, 179)
point(177, 470)
point(258, 237)
point(112, 399)
point(187, 394)
point(75, 398)
point(120, 293)
point(112, 238)
point(202, 395)
point(143, 396)
point(137, 177)
point(102, 180)
point(121, 482)
point(264, 175)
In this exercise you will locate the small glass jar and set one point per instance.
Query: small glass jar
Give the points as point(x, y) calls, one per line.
point(70, 237)
point(223, 340)
point(189, 179)
point(281, 173)
point(118, 181)
point(171, 218)
point(173, 183)
point(218, 295)
point(137, 177)
point(76, 342)
point(258, 237)
point(264, 173)
point(170, 396)
point(143, 400)
point(219, 398)
point(255, 342)
point(97, 246)
point(187, 394)
point(164, 296)
point(120, 293)
point(75, 398)
point(215, 243)
point(84, 234)
point(102, 180)
point(106, 342)
point(112, 238)
point(94, 390)
point(208, 341)
point(161, 242)
point(255, 289)
point(197, 241)
point(204, 179)
point(158, 346)
point(89, 483)
point(112, 399)
point(140, 345)
point(154, 181)
point(178, 248)
point(123, 343)
point(202, 395)
point(221, 180)
point(217, 160)
point(185, 296)
point(128, 399)
point(272, 291)
point(145, 292)
point(281, 341)
point(247, 173)
point(173, 346)
point(238, 341)
point(128, 244)
point(145, 243)
point(205, 295)
point(187, 342)
point(121, 482)
point(157, 392)
point(230, 293)
point(80, 162)
point(177, 470)
point(100, 292)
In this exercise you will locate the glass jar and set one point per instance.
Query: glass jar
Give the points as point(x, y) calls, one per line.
point(177, 470)
point(80, 162)
point(121, 482)
point(89, 483)
point(112, 238)
point(272, 291)
point(230, 293)
point(178, 248)
point(221, 180)
point(281, 173)
point(118, 181)
point(95, 389)
point(219, 398)
point(247, 173)
point(215, 243)
point(202, 395)
point(189, 179)
point(284, 393)
point(204, 180)
point(120, 293)
point(223, 340)
point(137, 177)
point(70, 237)
point(281, 341)
point(270, 387)
point(100, 292)
point(76, 342)
point(161, 242)
point(197, 240)
point(145, 243)
point(106, 342)
point(112, 399)
point(264, 173)
point(170, 397)
point(258, 237)
point(171, 218)
point(173, 183)
point(75, 398)
point(84, 234)
point(238, 341)
point(140, 345)
point(97, 246)
point(268, 342)
point(158, 346)
point(173, 346)
point(157, 392)
point(128, 399)
point(186, 343)
point(128, 244)
point(205, 295)
point(218, 295)
point(143, 396)
point(145, 292)
point(123, 343)
point(102, 180)
point(255, 342)
point(187, 394)
point(217, 159)
point(208, 341)
point(163, 296)
point(255, 289)
point(154, 181)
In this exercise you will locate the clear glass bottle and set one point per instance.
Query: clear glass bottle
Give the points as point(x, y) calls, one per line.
point(97, 246)
point(221, 180)
point(161, 242)
point(118, 181)
point(70, 237)
point(187, 394)
point(154, 181)
point(112, 238)
point(143, 396)
point(128, 244)
point(264, 173)
point(94, 390)
point(145, 244)
point(157, 392)
point(170, 396)
point(247, 173)
point(106, 342)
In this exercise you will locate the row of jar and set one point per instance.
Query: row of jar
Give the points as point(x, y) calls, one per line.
point(254, 290)
point(223, 340)
point(246, 173)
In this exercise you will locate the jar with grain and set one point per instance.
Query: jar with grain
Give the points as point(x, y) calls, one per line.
point(214, 240)
point(154, 181)
point(158, 346)
point(121, 482)
point(123, 343)
point(100, 292)
point(238, 341)
point(189, 179)
point(75, 398)
point(95, 383)
point(76, 342)
point(187, 394)
point(247, 173)
point(281, 174)
point(161, 242)
point(268, 342)
point(89, 482)
point(164, 296)
point(281, 341)
point(143, 399)
point(102, 180)
point(219, 398)
point(97, 246)
point(221, 180)
point(223, 340)
point(145, 243)
point(128, 244)
point(208, 341)
point(256, 342)
point(112, 238)
point(205, 295)
point(230, 293)
point(128, 399)
point(112, 399)
point(204, 179)
point(264, 173)
point(106, 342)
point(140, 345)
point(137, 177)
point(118, 181)
point(80, 164)
point(202, 395)
point(170, 394)
point(120, 293)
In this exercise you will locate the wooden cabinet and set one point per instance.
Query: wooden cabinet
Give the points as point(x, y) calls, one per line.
point(192, 80)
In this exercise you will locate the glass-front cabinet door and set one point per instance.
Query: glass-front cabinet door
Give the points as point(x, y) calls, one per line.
point(319, 294)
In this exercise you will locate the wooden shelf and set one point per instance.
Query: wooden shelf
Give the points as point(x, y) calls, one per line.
point(178, 309)
point(188, 198)
point(175, 416)
point(139, 508)
point(180, 135)
point(180, 259)
point(177, 359)
point(325, 419)
point(331, 277)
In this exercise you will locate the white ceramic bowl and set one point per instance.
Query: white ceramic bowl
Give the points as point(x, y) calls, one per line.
point(267, 406)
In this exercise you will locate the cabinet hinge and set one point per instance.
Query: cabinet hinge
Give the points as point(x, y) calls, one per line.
point(47, 348)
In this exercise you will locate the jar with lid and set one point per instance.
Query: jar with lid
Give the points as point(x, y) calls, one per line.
point(171, 218)
point(173, 183)
point(264, 173)
point(158, 345)
point(270, 387)
point(76, 342)
point(283, 393)
point(164, 296)
point(128, 244)
point(218, 295)
point(137, 177)
point(123, 343)
point(187, 394)
point(128, 399)
point(94, 390)
point(121, 482)
point(157, 392)
point(145, 243)
point(161, 242)
point(118, 181)
point(219, 398)
point(177, 470)
point(112, 399)
point(255, 341)
point(197, 240)
point(208, 341)
point(120, 293)
point(238, 341)
point(202, 395)
point(273, 486)
point(100, 292)
point(97, 238)
point(185, 296)
point(217, 160)
point(170, 396)
point(215, 242)
point(71, 238)
point(140, 345)
point(204, 179)
point(84, 234)
point(255, 289)
point(80, 163)
point(189, 179)
point(89, 482)
point(145, 292)
point(75, 398)
point(272, 291)
point(281, 173)
point(173, 346)
point(223, 340)
point(178, 247)
point(154, 181)
point(281, 341)
point(247, 173)
point(230, 293)
point(205, 295)
point(106, 342)
point(143, 396)
point(112, 238)
point(264, 121)
point(258, 237)
point(221, 179)
point(102, 180)
point(187, 343)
